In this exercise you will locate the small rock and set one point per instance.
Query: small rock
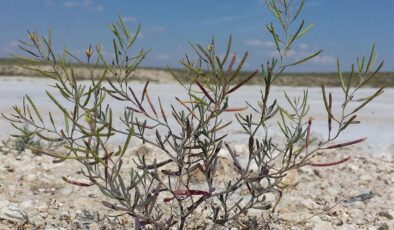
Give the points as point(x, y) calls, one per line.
point(358, 205)
point(333, 190)
point(65, 191)
point(53, 228)
point(8, 211)
point(365, 179)
point(292, 178)
point(92, 195)
point(306, 170)
point(348, 227)
point(5, 149)
point(387, 214)
point(356, 213)
point(44, 215)
point(26, 204)
point(353, 168)
point(322, 225)
point(384, 226)
point(60, 204)
point(30, 177)
point(371, 228)
point(94, 226)
point(9, 168)
point(43, 208)
point(310, 204)
point(294, 216)
point(270, 197)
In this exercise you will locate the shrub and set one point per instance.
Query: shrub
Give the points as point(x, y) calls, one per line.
point(21, 141)
point(160, 192)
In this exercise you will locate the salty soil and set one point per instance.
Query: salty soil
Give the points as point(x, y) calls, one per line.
point(377, 119)
point(358, 194)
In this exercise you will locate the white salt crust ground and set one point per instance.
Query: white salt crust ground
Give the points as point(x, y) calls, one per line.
point(32, 185)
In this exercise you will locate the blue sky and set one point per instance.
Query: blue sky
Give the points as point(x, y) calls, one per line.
point(345, 29)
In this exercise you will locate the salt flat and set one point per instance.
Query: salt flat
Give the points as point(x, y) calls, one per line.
point(31, 184)
point(377, 118)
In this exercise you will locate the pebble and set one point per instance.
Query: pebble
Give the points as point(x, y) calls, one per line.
point(310, 204)
point(387, 214)
point(292, 178)
point(358, 205)
point(356, 213)
point(333, 190)
point(43, 208)
point(353, 168)
point(8, 211)
point(307, 170)
point(384, 226)
point(94, 226)
point(348, 227)
point(270, 197)
point(30, 177)
point(26, 204)
point(65, 191)
point(92, 195)
point(294, 216)
point(322, 225)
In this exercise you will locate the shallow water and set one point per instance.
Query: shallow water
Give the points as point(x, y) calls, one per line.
point(377, 118)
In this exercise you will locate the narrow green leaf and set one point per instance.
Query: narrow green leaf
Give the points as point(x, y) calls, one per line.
point(50, 139)
point(295, 36)
point(127, 142)
point(340, 76)
point(365, 81)
point(377, 93)
point(305, 59)
point(300, 34)
point(35, 108)
point(299, 10)
point(326, 105)
point(229, 44)
point(57, 103)
point(372, 59)
point(67, 123)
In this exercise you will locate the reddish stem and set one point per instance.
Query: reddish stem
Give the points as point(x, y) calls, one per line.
point(230, 67)
point(346, 143)
point(308, 134)
point(76, 182)
point(205, 91)
point(330, 163)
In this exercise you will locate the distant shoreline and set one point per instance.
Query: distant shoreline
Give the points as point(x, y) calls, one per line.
point(8, 68)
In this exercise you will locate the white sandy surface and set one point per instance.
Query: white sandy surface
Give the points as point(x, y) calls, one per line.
point(377, 119)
